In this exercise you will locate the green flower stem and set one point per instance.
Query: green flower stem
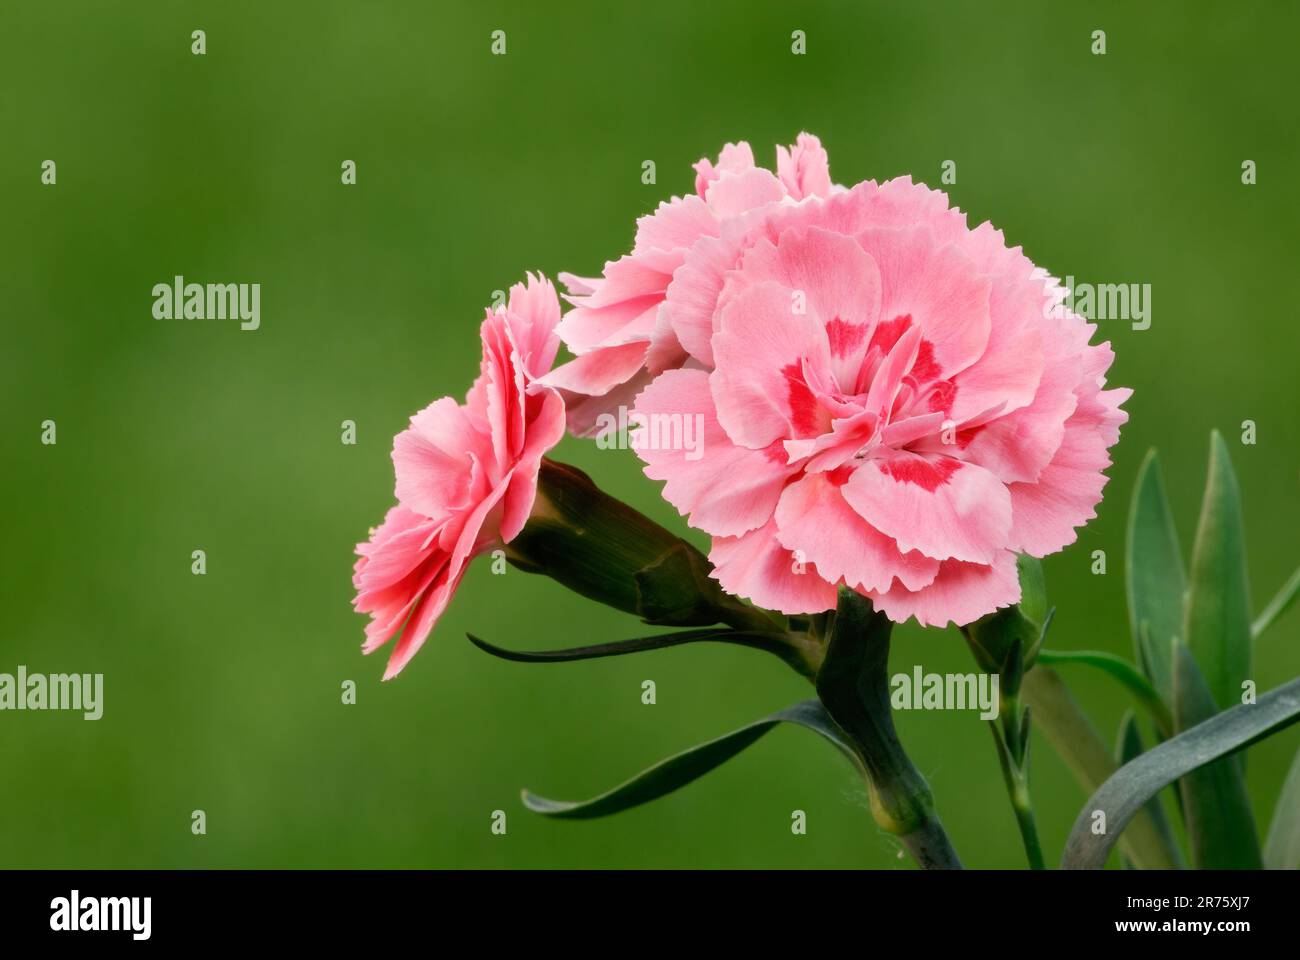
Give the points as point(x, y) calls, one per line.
point(1001, 643)
point(853, 684)
point(1028, 829)
point(1015, 773)
point(1073, 736)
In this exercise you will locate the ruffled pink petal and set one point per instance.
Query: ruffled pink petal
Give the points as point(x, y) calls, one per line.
point(804, 168)
point(395, 548)
point(431, 606)
point(934, 288)
point(532, 313)
point(598, 372)
point(624, 279)
point(576, 286)
point(848, 435)
point(674, 226)
point(1046, 513)
point(734, 193)
point(545, 430)
point(758, 386)
point(943, 507)
point(692, 298)
point(1011, 366)
point(505, 391)
point(733, 158)
point(429, 459)
point(392, 571)
point(757, 567)
point(838, 281)
point(813, 519)
point(392, 609)
point(723, 489)
point(589, 416)
point(665, 351)
point(585, 329)
point(960, 593)
point(1018, 446)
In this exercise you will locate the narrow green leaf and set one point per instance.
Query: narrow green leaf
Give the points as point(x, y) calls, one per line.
point(1129, 747)
point(1073, 736)
point(1154, 574)
point(1218, 601)
point(689, 765)
point(1277, 606)
point(1123, 671)
point(1216, 808)
point(1282, 851)
point(1126, 793)
point(1129, 744)
point(615, 648)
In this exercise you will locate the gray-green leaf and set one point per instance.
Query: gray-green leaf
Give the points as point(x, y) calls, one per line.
point(1124, 672)
point(1129, 748)
point(1218, 601)
point(1128, 791)
point(1277, 606)
point(689, 765)
point(1154, 575)
point(1216, 807)
point(1282, 851)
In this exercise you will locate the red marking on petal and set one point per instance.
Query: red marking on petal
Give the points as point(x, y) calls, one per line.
point(887, 333)
point(845, 337)
point(925, 368)
point(929, 475)
point(840, 475)
point(803, 404)
point(942, 396)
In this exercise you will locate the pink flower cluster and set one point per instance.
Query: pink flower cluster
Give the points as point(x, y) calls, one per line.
point(891, 401)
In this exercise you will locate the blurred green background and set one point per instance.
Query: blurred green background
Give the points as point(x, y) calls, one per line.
point(223, 691)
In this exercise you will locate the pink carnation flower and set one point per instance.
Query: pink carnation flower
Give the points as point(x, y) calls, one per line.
point(466, 476)
point(889, 400)
point(618, 333)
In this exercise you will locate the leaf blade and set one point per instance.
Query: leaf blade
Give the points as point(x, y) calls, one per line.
point(1130, 747)
point(614, 648)
point(1216, 808)
point(1074, 737)
point(1154, 576)
point(1277, 606)
point(1282, 850)
point(1218, 601)
point(1123, 671)
point(1126, 793)
point(689, 765)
